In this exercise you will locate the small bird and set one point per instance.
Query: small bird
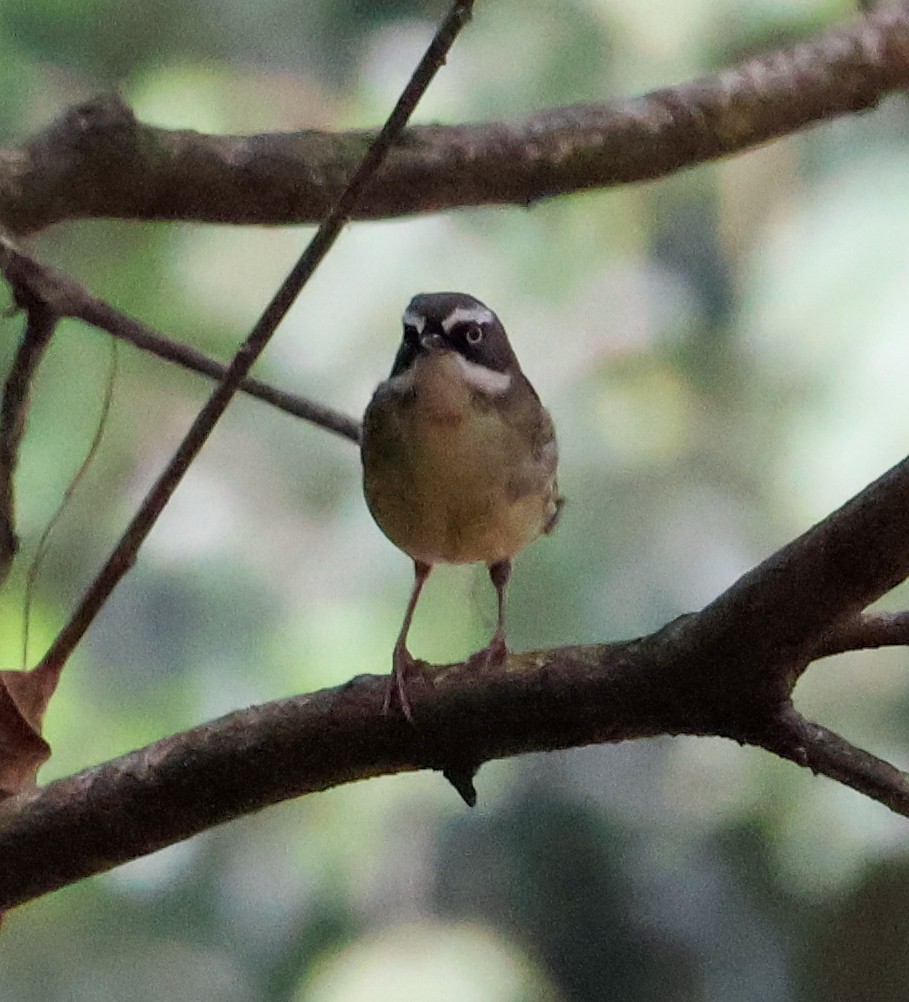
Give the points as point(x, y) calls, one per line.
point(459, 456)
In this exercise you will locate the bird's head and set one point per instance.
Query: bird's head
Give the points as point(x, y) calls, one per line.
point(455, 323)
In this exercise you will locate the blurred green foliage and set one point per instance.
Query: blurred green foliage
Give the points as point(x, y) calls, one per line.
point(725, 356)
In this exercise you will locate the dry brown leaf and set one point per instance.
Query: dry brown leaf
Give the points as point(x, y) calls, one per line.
point(24, 696)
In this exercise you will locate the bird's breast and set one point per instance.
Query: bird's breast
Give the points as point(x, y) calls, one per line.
point(439, 456)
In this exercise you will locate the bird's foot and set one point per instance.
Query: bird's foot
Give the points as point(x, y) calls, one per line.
point(491, 656)
point(403, 664)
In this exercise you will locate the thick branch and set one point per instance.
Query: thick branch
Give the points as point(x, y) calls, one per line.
point(98, 161)
point(150, 798)
point(727, 670)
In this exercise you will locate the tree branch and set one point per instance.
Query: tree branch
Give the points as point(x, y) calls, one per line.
point(826, 753)
point(70, 299)
point(869, 630)
point(98, 161)
point(41, 321)
point(728, 670)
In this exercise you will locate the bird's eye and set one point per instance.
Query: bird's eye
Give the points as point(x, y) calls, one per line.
point(410, 332)
point(473, 334)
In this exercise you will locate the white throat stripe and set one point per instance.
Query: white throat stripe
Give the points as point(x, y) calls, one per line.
point(484, 379)
point(467, 315)
point(415, 320)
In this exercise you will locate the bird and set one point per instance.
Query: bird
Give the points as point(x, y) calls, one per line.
point(459, 458)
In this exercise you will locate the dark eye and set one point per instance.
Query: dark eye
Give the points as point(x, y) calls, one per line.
point(473, 334)
point(410, 332)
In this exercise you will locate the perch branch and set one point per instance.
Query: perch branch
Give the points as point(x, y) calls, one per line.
point(728, 670)
point(98, 161)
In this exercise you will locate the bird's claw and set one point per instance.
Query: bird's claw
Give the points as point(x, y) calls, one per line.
point(490, 656)
point(403, 663)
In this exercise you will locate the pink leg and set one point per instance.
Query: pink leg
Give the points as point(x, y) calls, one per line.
point(402, 660)
point(499, 575)
point(495, 652)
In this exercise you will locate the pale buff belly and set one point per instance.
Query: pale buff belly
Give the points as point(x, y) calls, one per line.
point(441, 493)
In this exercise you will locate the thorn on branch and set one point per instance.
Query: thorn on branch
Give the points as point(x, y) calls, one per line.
point(462, 781)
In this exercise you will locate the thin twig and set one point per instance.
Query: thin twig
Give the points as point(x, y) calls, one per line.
point(827, 753)
point(39, 328)
point(101, 314)
point(41, 549)
point(71, 299)
point(124, 553)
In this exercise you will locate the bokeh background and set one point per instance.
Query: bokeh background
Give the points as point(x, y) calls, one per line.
point(725, 355)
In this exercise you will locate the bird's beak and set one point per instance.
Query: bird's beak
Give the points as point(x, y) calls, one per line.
point(432, 342)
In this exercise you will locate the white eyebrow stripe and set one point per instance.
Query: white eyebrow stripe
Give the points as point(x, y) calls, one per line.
point(413, 319)
point(467, 314)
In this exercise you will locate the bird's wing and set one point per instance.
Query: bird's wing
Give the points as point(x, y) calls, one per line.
point(537, 473)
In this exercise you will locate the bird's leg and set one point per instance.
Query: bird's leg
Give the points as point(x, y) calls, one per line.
point(495, 652)
point(402, 659)
point(499, 573)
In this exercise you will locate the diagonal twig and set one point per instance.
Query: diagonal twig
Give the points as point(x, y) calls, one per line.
point(71, 299)
point(124, 553)
point(827, 753)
